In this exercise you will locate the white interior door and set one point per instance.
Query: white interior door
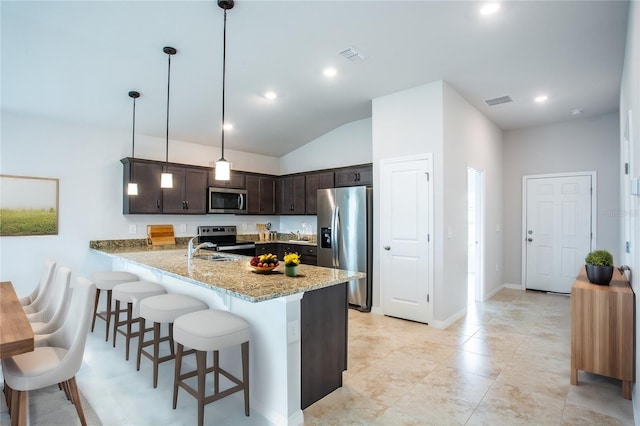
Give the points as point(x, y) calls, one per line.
point(557, 230)
point(405, 226)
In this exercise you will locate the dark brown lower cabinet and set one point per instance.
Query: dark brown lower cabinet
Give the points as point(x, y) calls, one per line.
point(324, 342)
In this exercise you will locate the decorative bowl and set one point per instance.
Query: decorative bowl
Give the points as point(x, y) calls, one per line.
point(264, 270)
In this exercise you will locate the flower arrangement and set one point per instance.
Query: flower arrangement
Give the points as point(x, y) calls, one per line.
point(291, 259)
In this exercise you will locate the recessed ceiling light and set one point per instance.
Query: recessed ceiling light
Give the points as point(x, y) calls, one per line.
point(489, 8)
point(228, 126)
point(330, 72)
point(270, 95)
point(540, 99)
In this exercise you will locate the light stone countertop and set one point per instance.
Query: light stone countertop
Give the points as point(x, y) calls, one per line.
point(235, 277)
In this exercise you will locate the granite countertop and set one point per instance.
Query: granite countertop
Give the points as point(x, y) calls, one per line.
point(233, 277)
point(298, 242)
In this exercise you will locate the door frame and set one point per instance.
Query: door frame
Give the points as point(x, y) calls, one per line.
point(480, 232)
point(523, 232)
point(430, 221)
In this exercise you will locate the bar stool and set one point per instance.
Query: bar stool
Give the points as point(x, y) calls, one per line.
point(106, 280)
point(131, 294)
point(164, 308)
point(206, 331)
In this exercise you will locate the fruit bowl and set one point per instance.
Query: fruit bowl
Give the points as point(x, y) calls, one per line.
point(264, 263)
point(264, 270)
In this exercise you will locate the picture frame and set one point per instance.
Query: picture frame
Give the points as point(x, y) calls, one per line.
point(28, 205)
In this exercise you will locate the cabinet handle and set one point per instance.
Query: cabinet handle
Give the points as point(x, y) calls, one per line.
point(355, 177)
point(187, 204)
point(291, 207)
point(157, 204)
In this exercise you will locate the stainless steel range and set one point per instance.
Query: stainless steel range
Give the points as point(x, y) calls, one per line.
point(223, 239)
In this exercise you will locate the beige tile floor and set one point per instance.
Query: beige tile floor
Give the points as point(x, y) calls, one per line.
point(506, 363)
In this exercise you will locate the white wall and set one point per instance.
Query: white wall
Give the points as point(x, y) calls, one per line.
point(630, 205)
point(573, 146)
point(470, 140)
point(87, 162)
point(344, 146)
point(405, 124)
point(435, 119)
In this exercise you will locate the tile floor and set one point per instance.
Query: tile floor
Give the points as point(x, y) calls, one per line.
point(506, 363)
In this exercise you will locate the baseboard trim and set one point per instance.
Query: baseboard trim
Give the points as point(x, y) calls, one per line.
point(513, 286)
point(493, 293)
point(447, 322)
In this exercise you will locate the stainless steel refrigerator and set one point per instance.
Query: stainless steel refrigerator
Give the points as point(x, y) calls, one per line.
point(345, 225)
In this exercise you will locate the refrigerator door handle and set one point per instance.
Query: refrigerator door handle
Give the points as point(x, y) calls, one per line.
point(335, 223)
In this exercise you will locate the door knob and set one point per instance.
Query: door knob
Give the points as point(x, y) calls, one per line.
point(387, 248)
point(529, 239)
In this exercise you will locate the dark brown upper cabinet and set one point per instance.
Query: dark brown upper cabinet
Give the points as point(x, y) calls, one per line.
point(291, 191)
point(315, 181)
point(354, 176)
point(261, 194)
point(189, 192)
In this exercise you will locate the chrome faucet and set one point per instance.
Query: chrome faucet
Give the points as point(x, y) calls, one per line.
point(192, 251)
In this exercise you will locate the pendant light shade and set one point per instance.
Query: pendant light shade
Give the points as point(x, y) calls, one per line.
point(223, 167)
point(132, 186)
point(166, 178)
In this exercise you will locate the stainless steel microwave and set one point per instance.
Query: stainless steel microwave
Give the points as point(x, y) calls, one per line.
point(227, 200)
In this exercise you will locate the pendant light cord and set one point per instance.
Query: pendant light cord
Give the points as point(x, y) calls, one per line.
point(133, 131)
point(168, 92)
point(224, 74)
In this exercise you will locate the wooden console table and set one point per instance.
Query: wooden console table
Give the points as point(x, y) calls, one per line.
point(602, 329)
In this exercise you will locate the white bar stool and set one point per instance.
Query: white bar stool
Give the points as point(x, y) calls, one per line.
point(164, 308)
point(131, 294)
point(206, 331)
point(106, 280)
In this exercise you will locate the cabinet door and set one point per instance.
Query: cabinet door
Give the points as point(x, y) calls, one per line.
point(188, 195)
point(195, 191)
point(354, 176)
point(292, 195)
point(173, 198)
point(267, 248)
point(308, 254)
point(313, 182)
point(149, 198)
point(261, 198)
point(236, 180)
point(267, 195)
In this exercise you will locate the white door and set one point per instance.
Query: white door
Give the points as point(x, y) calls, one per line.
point(557, 230)
point(404, 228)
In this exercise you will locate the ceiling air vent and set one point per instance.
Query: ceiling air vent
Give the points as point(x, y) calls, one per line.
point(351, 54)
point(499, 100)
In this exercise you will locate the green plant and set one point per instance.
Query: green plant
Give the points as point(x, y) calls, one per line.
point(599, 258)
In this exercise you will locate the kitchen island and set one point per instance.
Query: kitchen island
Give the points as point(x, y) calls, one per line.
point(298, 324)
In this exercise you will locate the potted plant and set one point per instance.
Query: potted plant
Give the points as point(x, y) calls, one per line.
point(599, 266)
point(291, 262)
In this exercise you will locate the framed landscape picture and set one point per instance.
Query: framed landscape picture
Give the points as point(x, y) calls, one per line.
point(28, 206)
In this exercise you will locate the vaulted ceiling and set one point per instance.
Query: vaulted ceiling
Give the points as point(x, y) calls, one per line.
point(76, 61)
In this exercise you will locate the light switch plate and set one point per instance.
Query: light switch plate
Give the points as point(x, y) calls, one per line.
point(293, 331)
point(183, 227)
point(132, 228)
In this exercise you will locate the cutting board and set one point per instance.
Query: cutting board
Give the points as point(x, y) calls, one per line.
point(160, 235)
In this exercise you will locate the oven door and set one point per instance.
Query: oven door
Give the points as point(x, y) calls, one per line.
point(224, 200)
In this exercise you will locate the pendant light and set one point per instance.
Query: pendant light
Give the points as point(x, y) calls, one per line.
point(166, 179)
point(223, 167)
point(132, 187)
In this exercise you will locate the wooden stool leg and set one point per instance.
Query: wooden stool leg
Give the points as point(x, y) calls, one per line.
point(176, 375)
point(19, 405)
point(156, 352)
point(245, 376)
point(216, 372)
point(201, 360)
point(142, 324)
point(116, 320)
point(95, 309)
point(108, 320)
point(75, 398)
point(128, 337)
point(171, 343)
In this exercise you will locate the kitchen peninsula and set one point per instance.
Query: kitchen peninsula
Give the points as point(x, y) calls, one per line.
point(298, 325)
